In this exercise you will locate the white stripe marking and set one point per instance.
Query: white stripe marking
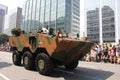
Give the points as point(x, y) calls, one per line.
point(4, 77)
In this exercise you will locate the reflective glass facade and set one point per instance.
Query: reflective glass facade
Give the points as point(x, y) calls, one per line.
point(100, 20)
point(3, 12)
point(56, 14)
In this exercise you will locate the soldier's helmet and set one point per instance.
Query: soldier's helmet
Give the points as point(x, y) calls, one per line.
point(44, 31)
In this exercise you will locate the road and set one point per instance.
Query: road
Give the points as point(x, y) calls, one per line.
point(84, 71)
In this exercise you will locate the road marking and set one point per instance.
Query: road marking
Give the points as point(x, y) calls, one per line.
point(4, 77)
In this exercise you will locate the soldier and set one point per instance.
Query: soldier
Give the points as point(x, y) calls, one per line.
point(78, 36)
point(118, 53)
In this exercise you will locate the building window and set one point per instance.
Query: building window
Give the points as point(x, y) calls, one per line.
point(47, 13)
point(61, 15)
point(42, 13)
point(53, 14)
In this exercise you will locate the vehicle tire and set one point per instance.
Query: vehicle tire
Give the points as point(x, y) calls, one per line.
point(28, 60)
point(44, 64)
point(72, 66)
point(16, 58)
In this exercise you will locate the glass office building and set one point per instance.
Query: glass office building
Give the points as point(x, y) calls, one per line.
point(56, 14)
point(102, 20)
point(108, 25)
point(3, 12)
point(16, 16)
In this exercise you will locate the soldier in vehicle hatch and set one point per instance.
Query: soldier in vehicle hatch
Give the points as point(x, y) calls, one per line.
point(78, 36)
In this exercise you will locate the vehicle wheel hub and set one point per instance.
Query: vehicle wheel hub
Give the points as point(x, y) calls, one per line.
point(41, 64)
point(14, 58)
point(26, 60)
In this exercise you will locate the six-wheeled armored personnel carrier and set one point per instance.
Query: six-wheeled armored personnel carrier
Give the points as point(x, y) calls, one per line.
point(41, 51)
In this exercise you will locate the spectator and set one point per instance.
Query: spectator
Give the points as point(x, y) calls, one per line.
point(112, 55)
point(105, 53)
point(117, 50)
point(109, 51)
point(118, 60)
point(99, 50)
point(110, 47)
point(93, 54)
point(118, 53)
point(88, 57)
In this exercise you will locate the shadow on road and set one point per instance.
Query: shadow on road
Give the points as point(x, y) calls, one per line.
point(81, 74)
point(4, 64)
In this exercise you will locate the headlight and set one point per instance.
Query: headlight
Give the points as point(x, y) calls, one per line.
point(60, 35)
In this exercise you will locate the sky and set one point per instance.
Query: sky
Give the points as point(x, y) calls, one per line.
point(90, 6)
point(12, 4)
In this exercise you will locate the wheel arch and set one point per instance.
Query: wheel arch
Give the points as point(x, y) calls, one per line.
point(40, 50)
point(25, 49)
point(13, 48)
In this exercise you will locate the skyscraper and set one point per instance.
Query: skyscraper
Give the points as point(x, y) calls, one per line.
point(108, 20)
point(108, 24)
point(3, 12)
point(64, 14)
point(15, 18)
point(93, 25)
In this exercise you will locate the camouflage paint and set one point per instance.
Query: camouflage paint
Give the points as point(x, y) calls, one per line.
point(61, 49)
point(11, 42)
point(48, 39)
point(46, 42)
point(26, 36)
point(71, 54)
point(20, 45)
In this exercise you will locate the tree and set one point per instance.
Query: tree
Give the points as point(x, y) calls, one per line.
point(4, 38)
point(16, 31)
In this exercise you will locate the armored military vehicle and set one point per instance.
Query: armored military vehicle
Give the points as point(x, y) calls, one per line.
point(42, 51)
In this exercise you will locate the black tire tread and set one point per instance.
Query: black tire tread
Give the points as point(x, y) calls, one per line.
point(48, 63)
point(18, 58)
point(31, 61)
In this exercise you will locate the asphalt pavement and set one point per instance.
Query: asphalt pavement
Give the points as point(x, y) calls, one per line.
point(84, 71)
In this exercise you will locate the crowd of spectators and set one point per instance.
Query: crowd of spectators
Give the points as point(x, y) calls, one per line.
point(104, 53)
point(5, 48)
